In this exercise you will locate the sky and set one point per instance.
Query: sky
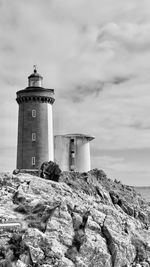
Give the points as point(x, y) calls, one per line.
point(96, 55)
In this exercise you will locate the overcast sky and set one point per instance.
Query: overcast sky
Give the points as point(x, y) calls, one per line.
point(96, 55)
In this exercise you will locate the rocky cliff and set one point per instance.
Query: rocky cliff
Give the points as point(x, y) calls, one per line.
point(84, 220)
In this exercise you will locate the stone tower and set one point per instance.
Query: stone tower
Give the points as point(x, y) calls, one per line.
point(35, 124)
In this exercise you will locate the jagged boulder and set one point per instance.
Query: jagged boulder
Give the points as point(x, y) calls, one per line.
point(36, 242)
point(15, 253)
point(42, 215)
point(50, 170)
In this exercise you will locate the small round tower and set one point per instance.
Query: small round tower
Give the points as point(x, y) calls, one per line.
point(72, 152)
point(35, 124)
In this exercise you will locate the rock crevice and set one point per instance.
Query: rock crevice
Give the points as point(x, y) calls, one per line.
point(109, 242)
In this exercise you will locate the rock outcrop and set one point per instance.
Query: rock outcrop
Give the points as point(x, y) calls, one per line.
point(50, 170)
point(84, 220)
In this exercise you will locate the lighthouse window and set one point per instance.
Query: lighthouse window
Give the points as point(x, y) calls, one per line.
point(72, 167)
point(33, 136)
point(33, 161)
point(72, 154)
point(33, 113)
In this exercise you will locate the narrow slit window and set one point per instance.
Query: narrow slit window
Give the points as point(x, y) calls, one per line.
point(33, 113)
point(33, 161)
point(33, 137)
point(72, 144)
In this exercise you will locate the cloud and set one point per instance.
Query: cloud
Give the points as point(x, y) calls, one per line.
point(120, 79)
point(134, 37)
point(144, 125)
point(96, 56)
point(79, 92)
point(100, 11)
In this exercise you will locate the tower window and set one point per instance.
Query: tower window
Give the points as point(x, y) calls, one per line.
point(33, 161)
point(72, 154)
point(72, 144)
point(33, 136)
point(72, 167)
point(33, 113)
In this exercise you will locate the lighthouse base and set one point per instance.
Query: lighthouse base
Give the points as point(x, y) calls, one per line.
point(34, 172)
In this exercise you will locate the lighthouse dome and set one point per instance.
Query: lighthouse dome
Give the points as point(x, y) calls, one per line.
point(35, 79)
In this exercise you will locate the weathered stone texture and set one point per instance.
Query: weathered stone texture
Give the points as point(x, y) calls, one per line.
point(84, 226)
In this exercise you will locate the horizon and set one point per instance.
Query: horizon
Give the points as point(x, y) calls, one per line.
point(96, 56)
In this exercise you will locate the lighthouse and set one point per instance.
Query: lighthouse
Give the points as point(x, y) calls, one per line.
point(35, 124)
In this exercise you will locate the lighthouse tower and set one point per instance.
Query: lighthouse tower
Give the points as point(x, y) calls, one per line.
point(35, 124)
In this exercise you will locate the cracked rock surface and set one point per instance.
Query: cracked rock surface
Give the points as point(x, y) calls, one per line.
point(84, 220)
